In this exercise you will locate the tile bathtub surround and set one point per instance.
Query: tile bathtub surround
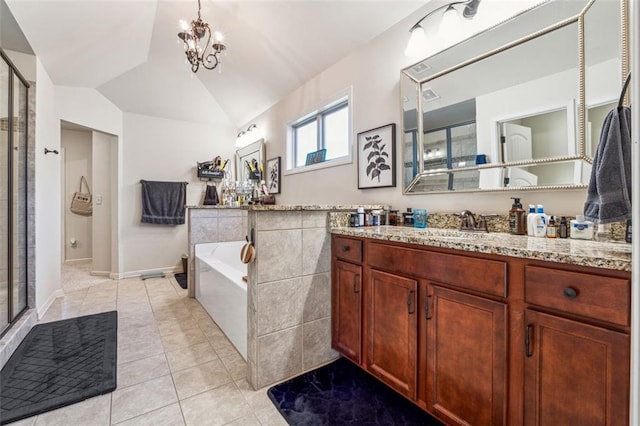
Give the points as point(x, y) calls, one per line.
point(175, 366)
point(289, 311)
point(213, 224)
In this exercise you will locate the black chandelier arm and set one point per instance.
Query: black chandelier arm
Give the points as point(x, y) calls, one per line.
point(469, 11)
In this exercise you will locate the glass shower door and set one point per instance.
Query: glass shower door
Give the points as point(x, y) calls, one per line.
point(19, 198)
point(4, 196)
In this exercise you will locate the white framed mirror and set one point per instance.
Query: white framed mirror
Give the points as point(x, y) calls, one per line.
point(250, 162)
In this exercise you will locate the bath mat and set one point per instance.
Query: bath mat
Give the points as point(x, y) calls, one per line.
point(340, 393)
point(181, 278)
point(58, 364)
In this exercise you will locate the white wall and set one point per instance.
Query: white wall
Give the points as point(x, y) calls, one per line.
point(47, 203)
point(374, 73)
point(102, 167)
point(163, 150)
point(78, 159)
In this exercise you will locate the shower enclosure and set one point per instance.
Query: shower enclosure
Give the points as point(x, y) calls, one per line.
point(13, 192)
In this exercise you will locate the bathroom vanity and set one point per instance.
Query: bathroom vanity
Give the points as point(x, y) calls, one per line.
point(487, 328)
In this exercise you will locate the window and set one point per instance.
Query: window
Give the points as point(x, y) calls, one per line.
point(328, 129)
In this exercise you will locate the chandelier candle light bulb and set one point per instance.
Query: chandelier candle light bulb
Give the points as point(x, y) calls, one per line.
point(198, 46)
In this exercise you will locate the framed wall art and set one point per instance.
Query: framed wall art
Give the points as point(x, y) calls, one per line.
point(273, 175)
point(377, 157)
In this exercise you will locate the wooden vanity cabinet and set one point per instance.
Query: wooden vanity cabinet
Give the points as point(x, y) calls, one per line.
point(346, 302)
point(482, 339)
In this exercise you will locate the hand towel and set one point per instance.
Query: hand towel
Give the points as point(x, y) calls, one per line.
point(163, 202)
point(609, 192)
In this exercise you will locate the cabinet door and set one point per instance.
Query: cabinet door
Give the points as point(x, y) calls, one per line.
point(575, 374)
point(393, 331)
point(466, 357)
point(346, 310)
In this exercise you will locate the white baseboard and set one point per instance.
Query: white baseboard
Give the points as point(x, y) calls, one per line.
point(100, 274)
point(46, 305)
point(82, 260)
point(134, 274)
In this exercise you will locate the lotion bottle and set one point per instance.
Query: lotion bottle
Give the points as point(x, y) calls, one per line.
point(540, 222)
point(581, 229)
point(517, 218)
point(532, 213)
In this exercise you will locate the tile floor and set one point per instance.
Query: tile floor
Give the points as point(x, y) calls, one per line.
point(175, 366)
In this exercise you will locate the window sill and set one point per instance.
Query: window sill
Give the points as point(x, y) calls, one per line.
point(341, 161)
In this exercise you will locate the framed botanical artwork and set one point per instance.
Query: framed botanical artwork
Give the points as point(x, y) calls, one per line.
point(377, 157)
point(273, 175)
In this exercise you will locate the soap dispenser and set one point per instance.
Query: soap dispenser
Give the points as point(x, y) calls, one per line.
point(517, 218)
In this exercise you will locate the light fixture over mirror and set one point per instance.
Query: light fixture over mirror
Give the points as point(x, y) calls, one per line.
point(418, 43)
point(199, 47)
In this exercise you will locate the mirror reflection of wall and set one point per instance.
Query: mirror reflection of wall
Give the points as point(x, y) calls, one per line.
point(250, 157)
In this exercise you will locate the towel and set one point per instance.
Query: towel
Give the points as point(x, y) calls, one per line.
point(163, 202)
point(609, 192)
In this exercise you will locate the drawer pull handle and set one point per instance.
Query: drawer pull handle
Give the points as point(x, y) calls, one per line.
point(356, 278)
point(570, 292)
point(345, 249)
point(527, 341)
point(410, 297)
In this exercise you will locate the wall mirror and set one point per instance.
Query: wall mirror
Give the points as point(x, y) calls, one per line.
point(250, 161)
point(518, 106)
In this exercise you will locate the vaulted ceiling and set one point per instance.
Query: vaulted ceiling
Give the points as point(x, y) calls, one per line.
point(129, 51)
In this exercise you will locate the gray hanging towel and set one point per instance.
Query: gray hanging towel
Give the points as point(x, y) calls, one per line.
point(609, 192)
point(163, 202)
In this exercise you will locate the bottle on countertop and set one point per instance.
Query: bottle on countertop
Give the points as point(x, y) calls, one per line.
point(530, 215)
point(552, 230)
point(540, 222)
point(517, 218)
point(360, 216)
point(581, 229)
point(563, 230)
point(408, 217)
point(627, 233)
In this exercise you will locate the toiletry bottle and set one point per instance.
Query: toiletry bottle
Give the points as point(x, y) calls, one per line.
point(581, 229)
point(408, 217)
point(420, 218)
point(532, 213)
point(540, 222)
point(360, 216)
point(517, 218)
point(563, 231)
point(627, 233)
point(551, 228)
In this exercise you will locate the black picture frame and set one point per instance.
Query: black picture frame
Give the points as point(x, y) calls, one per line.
point(377, 157)
point(273, 175)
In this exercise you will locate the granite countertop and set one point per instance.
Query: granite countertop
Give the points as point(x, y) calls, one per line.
point(295, 207)
point(217, 206)
point(577, 252)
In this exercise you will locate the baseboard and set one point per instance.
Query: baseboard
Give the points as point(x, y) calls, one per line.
point(134, 274)
point(72, 261)
point(100, 274)
point(46, 305)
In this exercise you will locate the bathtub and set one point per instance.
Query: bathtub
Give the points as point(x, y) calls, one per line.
point(221, 290)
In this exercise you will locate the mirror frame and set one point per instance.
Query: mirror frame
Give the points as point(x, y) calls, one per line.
point(581, 110)
point(247, 151)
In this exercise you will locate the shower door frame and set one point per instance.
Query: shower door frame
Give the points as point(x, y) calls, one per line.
point(13, 221)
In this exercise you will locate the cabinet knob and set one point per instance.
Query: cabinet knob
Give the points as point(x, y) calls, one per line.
point(345, 249)
point(570, 292)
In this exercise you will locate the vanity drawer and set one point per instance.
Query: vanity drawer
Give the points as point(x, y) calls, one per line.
point(602, 298)
point(483, 275)
point(347, 249)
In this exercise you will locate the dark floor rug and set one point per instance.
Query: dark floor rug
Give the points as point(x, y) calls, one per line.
point(340, 393)
point(182, 279)
point(58, 364)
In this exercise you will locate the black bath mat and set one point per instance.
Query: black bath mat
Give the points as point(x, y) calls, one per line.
point(342, 394)
point(181, 278)
point(58, 364)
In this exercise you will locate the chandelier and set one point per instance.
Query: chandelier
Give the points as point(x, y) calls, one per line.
point(198, 51)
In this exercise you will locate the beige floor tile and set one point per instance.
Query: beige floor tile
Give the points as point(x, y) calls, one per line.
point(171, 312)
point(134, 372)
point(135, 350)
point(176, 325)
point(210, 329)
point(250, 420)
point(128, 307)
point(215, 407)
point(257, 399)
point(223, 346)
point(142, 398)
point(26, 422)
point(89, 309)
point(269, 416)
point(194, 380)
point(235, 365)
point(90, 412)
point(135, 319)
point(183, 339)
point(171, 415)
point(191, 356)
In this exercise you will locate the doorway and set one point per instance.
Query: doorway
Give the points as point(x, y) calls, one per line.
point(88, 165)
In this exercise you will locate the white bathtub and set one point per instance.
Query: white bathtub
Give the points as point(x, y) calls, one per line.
point(221, 290)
